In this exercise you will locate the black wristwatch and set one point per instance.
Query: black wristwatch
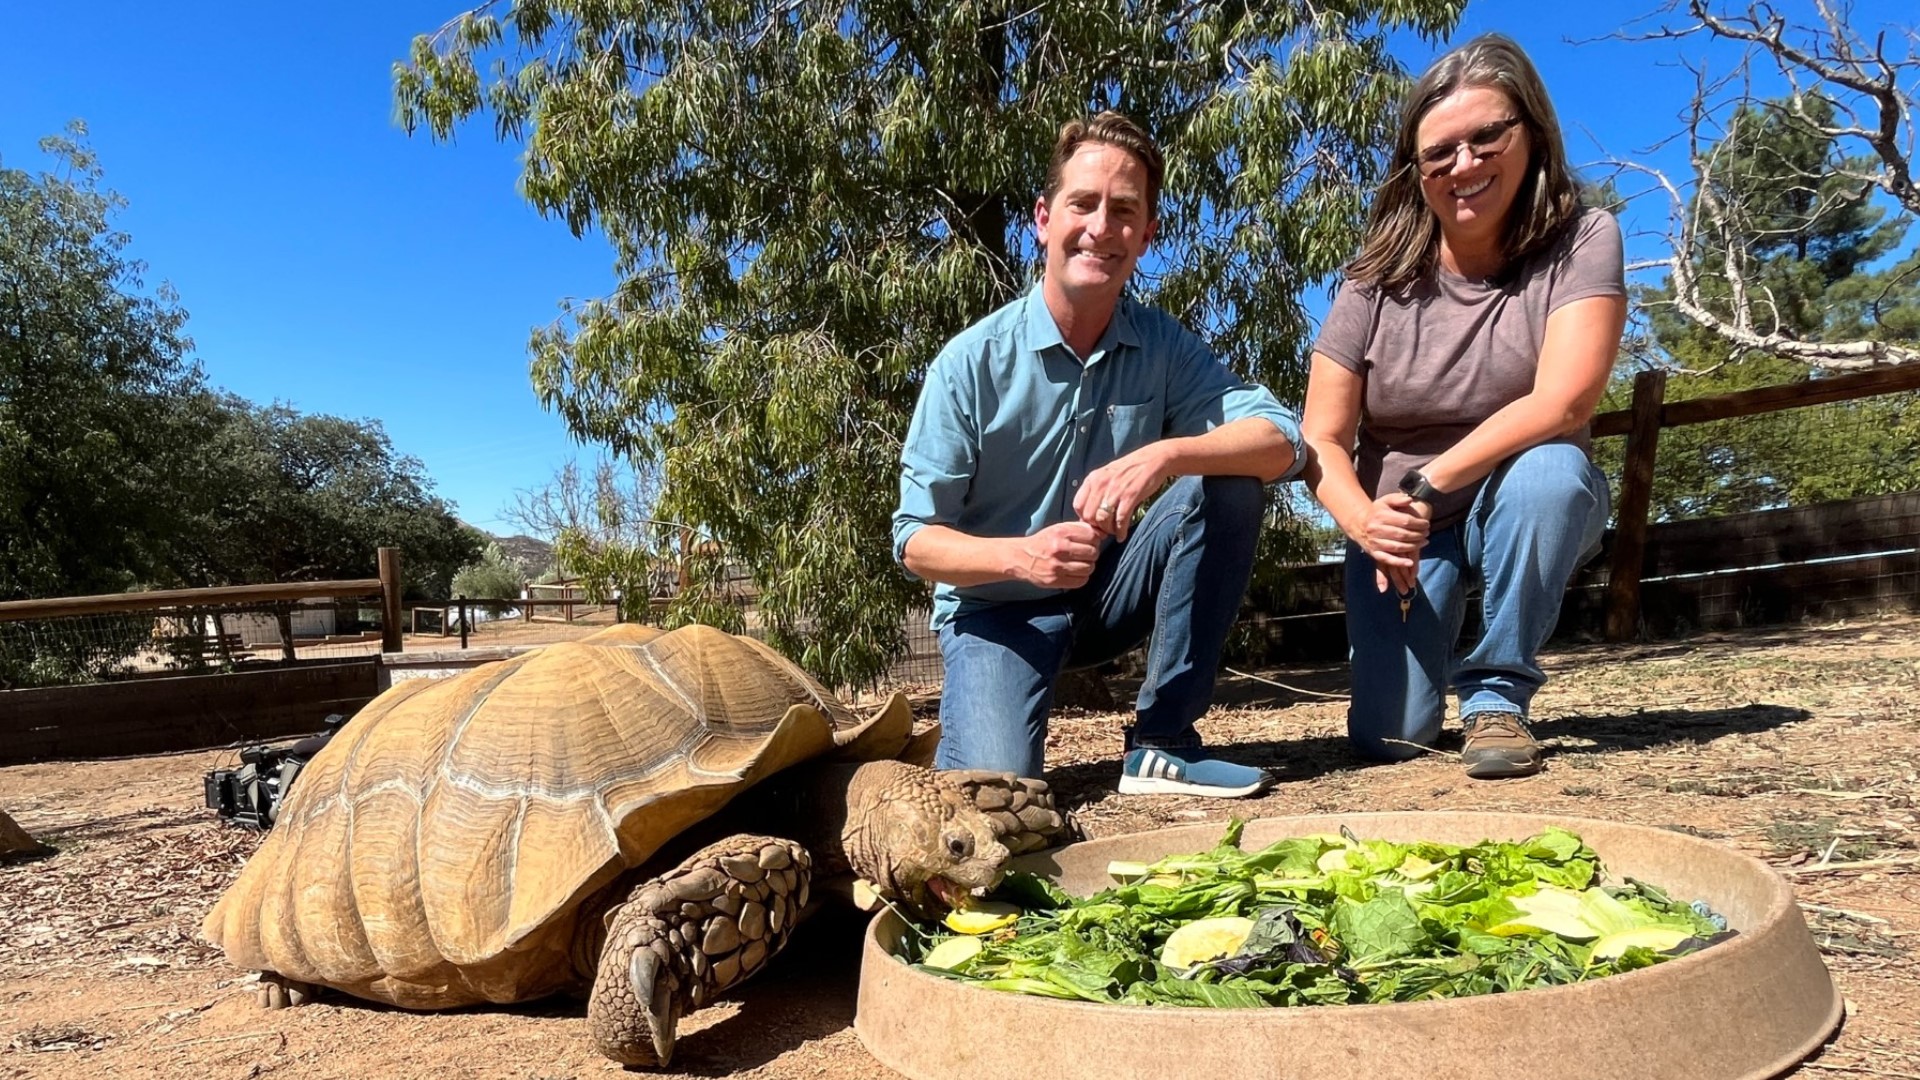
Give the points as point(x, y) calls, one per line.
point(1415, 485)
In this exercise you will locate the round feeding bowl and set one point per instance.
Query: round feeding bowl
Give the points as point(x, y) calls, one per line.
point(1752, 1006)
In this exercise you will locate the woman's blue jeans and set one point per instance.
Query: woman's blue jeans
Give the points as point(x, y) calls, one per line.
point(1180, 577)
point(1536, 520)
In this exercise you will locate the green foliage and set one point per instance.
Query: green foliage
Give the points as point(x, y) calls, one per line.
point(62, 652)
point(603, 539)
point(497, 576)
point(1813, 252)
point(120, 468)
point(807, 199)
point(1794, 457)
point(93, 373)
point(275, 494)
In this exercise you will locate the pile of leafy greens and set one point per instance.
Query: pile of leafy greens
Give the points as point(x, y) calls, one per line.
point(1335, 920)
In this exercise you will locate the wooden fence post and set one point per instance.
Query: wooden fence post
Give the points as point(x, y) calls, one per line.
point(390, 600)
point(1636, 497)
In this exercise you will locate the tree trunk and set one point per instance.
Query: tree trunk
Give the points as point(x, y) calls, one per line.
point(14, 839)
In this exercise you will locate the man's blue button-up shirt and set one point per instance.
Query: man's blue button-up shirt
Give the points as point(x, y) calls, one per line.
point(1010, 421)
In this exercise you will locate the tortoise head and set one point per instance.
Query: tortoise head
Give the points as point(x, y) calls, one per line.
point(918, 838)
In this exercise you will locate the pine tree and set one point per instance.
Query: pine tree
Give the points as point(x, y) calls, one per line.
point(1803, 238)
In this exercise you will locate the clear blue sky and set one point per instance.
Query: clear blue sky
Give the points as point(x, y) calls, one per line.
point(329, 261)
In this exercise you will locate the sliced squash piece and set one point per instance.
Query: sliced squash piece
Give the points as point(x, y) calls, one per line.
point(1415, 868)
point(1332, 861)
point(1549, 911)
point(1610, 916)
point(953, 952)
point(983, 917)
point(1657, 938)
point(1205, 939)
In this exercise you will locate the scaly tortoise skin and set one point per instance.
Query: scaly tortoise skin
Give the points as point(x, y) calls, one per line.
point(560, 822)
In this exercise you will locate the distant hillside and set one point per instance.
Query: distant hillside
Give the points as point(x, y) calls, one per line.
point(535, 555)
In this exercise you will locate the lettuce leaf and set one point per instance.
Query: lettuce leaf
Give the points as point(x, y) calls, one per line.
point(1337, 919)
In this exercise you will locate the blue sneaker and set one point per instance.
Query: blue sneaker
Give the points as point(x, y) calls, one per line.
point(1149, 771)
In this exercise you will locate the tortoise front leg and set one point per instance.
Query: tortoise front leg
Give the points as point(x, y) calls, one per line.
point(683, 938)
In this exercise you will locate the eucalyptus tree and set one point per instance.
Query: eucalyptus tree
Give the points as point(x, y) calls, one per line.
point(807, 197)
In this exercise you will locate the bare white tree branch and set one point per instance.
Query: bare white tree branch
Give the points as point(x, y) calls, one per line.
point(1834, 54)
point(1843, 88)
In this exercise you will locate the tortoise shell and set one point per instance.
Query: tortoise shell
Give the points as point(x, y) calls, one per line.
point(437, 852)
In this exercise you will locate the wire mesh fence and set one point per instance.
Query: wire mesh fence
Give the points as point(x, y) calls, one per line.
point(918, 670)
point(1793, 457)
point(1800, 512)
point(184, 640)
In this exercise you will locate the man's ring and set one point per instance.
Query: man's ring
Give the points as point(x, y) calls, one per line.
point(1107, 509)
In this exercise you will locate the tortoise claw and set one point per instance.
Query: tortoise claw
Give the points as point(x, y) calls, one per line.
point(688, 936)
point(276, 991)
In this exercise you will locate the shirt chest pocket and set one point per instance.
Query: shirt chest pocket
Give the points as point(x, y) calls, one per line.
point(1131, 427)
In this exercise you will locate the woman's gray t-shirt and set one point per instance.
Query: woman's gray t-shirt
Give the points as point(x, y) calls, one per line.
point(1451, 351)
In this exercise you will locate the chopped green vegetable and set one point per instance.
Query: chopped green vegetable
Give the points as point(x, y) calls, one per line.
point(1549, 911)
point(1319, 920)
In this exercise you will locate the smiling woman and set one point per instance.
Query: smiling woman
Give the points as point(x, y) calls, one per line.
point(1448, 404)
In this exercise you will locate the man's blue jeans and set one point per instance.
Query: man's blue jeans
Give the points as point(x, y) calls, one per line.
point(1180, 577)
point(1537, 518)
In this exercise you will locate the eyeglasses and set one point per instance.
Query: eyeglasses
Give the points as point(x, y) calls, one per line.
point(1489, 142)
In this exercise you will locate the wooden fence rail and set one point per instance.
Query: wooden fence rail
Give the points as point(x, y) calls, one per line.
point(59, 607)
point(1641, 424)
point(152, 715)
point(386, 587)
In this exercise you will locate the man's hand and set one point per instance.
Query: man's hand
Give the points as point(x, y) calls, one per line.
point(1060, 556)
point(1113, 493)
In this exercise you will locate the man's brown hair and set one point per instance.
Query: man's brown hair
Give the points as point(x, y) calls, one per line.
point(1112, 129)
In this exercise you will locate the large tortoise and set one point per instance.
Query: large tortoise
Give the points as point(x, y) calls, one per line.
point(524, 829)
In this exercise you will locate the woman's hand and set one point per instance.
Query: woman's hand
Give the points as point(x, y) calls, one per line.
point(1393, 531)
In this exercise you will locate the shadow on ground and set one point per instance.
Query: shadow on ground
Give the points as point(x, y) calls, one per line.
point(805, 994)
point(1312, 756)
point(1644, 729)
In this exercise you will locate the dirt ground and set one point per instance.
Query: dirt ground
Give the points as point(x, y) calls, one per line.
point(1799, 746)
